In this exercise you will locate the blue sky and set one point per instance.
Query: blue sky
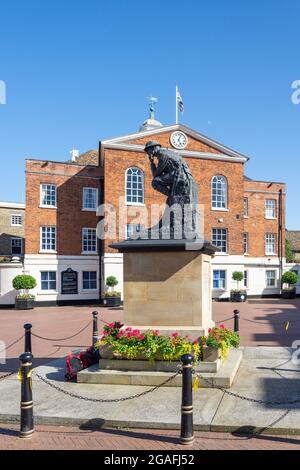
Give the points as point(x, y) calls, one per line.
point(77, 72)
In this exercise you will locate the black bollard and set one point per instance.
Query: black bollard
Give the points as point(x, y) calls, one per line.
point(187, 431)
point(236, 321)
point(95, 328)
point(27, 347)
point(26, 422)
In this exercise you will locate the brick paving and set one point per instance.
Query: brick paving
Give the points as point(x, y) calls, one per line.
point(67, 438)
point(58, 322)
point(265, 328)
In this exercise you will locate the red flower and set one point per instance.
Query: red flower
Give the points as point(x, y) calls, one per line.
point(222, 326)
point(209, 330)
point(175, 334)
point(195, 342)
point(111, 325)
point(141, 337)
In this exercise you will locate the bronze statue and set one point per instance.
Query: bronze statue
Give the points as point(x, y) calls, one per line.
point(173, 178)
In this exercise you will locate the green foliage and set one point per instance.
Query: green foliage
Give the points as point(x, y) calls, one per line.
point(24, 282)
point(238, 276)
point(221, 338)
point(290, 278)
point(112, 281)
point(25, 297)
point(133, 344)
point(289, 254)
point(112, 294)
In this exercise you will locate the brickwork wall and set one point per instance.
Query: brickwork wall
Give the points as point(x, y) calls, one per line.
point(69, 218)
point(8, 231)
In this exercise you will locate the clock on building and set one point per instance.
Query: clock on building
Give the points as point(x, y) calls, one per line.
point(179, 140)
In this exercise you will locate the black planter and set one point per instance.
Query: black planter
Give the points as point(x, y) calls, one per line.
point(238, 296)
point(112, 301)
point(288, 294)
point(24, 304)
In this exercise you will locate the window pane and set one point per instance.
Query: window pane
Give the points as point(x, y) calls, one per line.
point(134, 185)
point(219, 192)
point(219, 239)
point(48, 194)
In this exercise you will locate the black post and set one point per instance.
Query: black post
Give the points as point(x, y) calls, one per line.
point(236, 321)
point(26, 422)
point(187, 432)
point(95, 328)
point(27, 347)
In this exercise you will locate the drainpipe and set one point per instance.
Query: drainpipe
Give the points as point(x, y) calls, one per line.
point(101, 242)
point(280, 237)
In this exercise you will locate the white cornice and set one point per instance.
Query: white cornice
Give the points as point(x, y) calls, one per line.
point(12, 205)
point(184, 153)
point(187, 130)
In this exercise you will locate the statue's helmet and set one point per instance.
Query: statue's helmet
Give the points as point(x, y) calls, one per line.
point(151, 143)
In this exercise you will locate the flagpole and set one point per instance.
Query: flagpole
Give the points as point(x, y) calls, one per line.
point(176, 105)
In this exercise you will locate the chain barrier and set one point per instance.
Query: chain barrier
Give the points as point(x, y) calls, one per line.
point(100, 400)
point(242, 397)
point(9, 374)
point(12, 344)
point(62, 339)
point(223, 321)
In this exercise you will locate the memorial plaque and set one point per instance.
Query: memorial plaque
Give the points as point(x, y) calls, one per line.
point(69, 282)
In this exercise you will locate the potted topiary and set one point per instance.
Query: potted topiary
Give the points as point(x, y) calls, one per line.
point(290, 278)
point(23, 283)
point(238, 295)
point(112, 298)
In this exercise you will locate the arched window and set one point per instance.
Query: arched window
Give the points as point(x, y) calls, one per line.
point(134, 186)
point(219, 192)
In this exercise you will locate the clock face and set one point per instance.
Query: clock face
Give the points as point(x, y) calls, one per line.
point(179, 140)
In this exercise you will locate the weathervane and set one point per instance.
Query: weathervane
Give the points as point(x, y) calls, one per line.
point(152, 102)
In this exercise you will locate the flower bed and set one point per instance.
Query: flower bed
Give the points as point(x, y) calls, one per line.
point(132, 344)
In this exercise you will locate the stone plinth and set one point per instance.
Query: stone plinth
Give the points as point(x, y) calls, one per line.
point(167, 285)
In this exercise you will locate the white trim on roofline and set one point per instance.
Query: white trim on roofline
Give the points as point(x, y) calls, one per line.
point(12, 205)
point(184, 153)
point(183, 128)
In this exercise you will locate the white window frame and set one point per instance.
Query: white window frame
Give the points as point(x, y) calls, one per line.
point(275, 278)
point(11, 220)
point(11, 246)
point(212, 238)
point(268, 243)
point(89, 252)
point(48, 206)
point(219, 183)
point(50, 250)
point(246, 243)
point(130, 203)
point(95, 190)
point(274, 209)
point(93, 289)
point(246, 207)
point(48, 281)
point(225, 280)
point(141, 228)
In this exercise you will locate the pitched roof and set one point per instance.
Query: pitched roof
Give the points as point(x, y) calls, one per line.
point(122, 141)
point(91, 157)
point(294, 237)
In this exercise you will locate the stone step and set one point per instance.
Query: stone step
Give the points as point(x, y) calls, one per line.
point(223, 378)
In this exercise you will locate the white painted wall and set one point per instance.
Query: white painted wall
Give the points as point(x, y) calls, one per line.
point(34, 264)
point(113, 266)
point(7, 272)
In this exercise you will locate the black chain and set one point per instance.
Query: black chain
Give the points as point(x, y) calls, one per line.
point(242, 397)
point(63, 339)
point(12, 344)
point(7, 375)
point(223, 321)
point(100, 400)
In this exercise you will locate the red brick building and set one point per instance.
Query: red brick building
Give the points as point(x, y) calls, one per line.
point(245, 218)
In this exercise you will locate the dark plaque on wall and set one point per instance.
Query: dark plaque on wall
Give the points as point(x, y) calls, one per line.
point(69, 282)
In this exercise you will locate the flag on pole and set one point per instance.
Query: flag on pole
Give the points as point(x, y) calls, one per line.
point(179, 101)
